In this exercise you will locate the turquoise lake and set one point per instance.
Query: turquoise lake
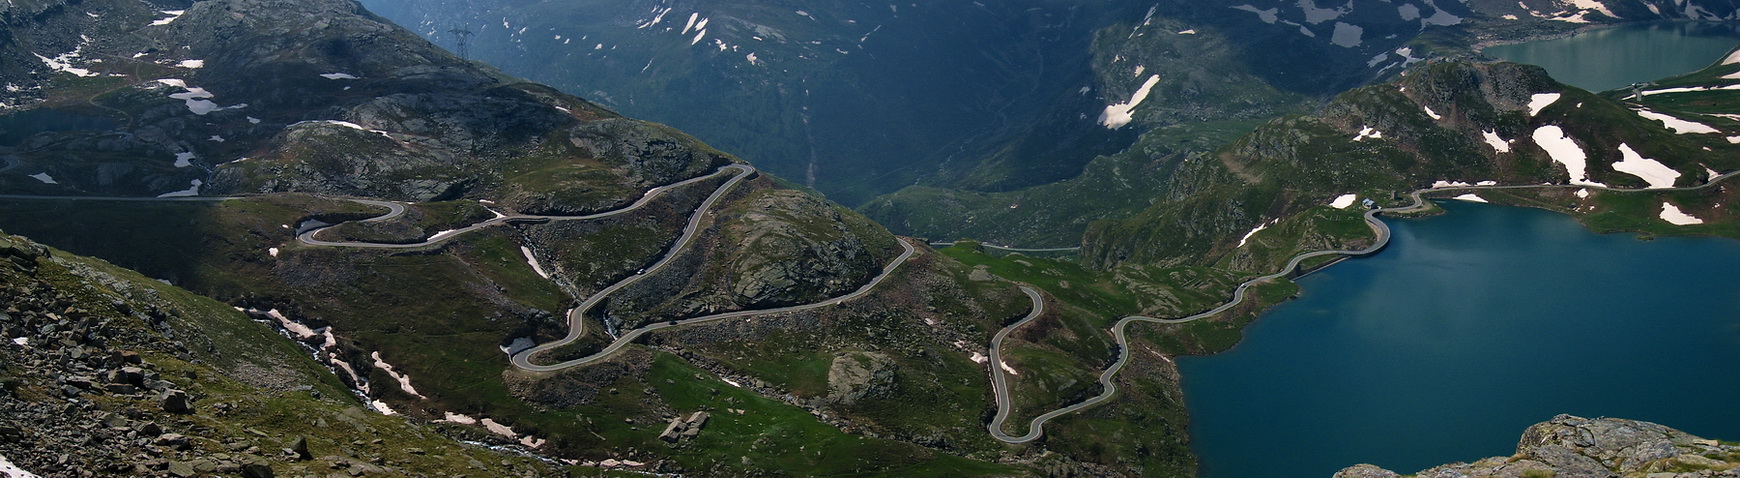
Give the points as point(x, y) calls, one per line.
point(1470, 327)
point(1609, 58)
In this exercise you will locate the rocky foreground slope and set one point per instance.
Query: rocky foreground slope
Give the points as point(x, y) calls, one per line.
point(106, 373)
point(1575, 447)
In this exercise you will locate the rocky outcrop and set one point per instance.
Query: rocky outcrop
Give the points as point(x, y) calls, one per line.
point(855, 375)
point(105, 373)
point(1576, 447)
point(789, 247)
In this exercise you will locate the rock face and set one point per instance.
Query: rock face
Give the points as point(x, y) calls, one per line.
point(1575, 447)
point(791, 247)
point(855, 375)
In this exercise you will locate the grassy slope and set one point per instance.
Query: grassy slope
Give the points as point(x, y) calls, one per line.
point(243, 352)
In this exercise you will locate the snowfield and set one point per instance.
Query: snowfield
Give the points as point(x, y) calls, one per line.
point(1498, 143)
point(1678, 125)
point(1542, 101)
point(1566, 152)
point(1118, 115)
point(1343, 201)
point(1673, 215)
point(8, 470)
point(1656, 174)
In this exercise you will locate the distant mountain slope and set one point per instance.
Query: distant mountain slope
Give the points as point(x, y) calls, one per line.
point(850, 98)
point(858, 100)
point(248, 96)
point(1447, 123)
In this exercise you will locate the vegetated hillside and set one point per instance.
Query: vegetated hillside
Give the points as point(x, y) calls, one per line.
point(1445, 123)
point(106, 372)
point(423, 333)
point(1211, 67)
point(1576, 446)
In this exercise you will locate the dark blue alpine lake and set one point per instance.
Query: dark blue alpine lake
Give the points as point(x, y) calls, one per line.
point(1469, 328)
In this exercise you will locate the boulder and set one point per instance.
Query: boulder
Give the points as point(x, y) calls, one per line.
point(175, 401)
point(855, 375)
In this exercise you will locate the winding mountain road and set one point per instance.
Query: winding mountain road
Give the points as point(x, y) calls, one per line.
point(396, 209)
point(999, 377)
point(1036, 428)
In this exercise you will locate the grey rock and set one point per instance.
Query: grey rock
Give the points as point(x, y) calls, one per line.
point(256, 470)
point(855, 375)
point(181, 468)
point(175, 401)
point(299, 447)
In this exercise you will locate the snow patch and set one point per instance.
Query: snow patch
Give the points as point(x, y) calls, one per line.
point(1673, 215)
point(339, 76)
point(1565, 151)
point(192, 190)
point(1470, 198)
point(451, 417)
point(1432, 114)
point(441, 235)
point(1118, 115)
point(273, 251)
point(1254, 230)
point(382, 407)
point(979, 358)
point(404, 380)
point(1368, 132)
point(1678, 125)
point(498, 428)
point(183, 159)
point(1541, 101)
point(191, 64)
point(533, 261)
point(21, 341)
point(45, 178)
point(63, 63)
point(1498, 143)
point(9, 470)
point(1007, 368)
point(173, 15)
point(1689, 89)
point(1344, 201)
point(302, 332)
point(1656, 174)
point(1582, 193)
point(1346, 35)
